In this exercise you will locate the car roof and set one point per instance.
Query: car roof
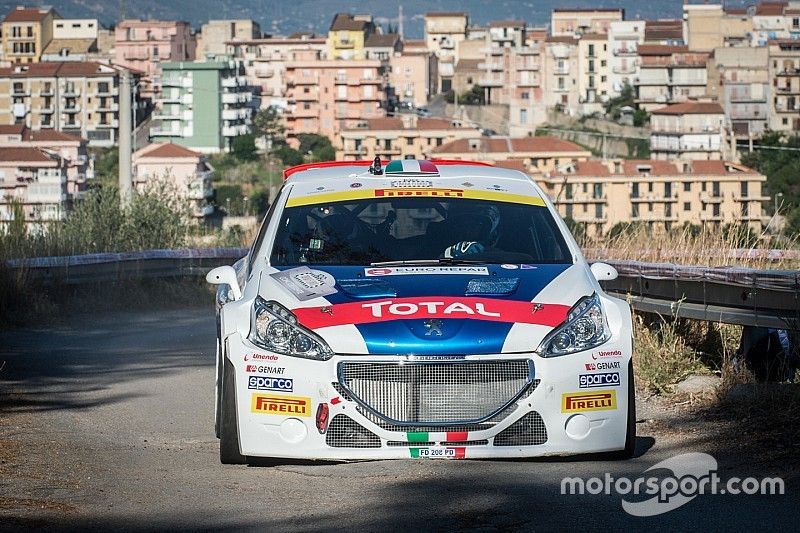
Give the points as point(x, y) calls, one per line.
point(325, 171)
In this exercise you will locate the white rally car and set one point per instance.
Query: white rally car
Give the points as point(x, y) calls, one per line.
point(418, 309)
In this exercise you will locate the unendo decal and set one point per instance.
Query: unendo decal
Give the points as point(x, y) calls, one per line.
point(463, 307)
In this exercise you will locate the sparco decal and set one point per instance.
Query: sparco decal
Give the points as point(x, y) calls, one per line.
point(441, 307)
point(270, 383)
point(602, 365)
point(586, 381)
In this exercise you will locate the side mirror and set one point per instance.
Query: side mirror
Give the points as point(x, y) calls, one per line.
point(225, 275)
point(604, 272)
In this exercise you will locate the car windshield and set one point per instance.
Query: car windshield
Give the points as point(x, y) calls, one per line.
point(376, 231)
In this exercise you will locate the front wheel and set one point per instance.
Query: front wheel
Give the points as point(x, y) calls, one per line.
point(630, 433)
point(229, 453)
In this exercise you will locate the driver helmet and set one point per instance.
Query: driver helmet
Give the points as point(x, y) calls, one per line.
point(479, 222)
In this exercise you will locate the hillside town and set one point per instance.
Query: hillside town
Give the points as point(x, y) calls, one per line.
point(695, 91)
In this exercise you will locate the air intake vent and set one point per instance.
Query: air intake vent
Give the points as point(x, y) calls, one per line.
point(527, 431)
point(344, 432)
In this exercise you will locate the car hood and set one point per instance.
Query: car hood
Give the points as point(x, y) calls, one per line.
point(429, 310)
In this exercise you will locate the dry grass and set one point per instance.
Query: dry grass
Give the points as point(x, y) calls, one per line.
point(732, 246)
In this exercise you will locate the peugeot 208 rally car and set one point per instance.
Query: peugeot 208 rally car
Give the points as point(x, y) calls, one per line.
point(419, 309)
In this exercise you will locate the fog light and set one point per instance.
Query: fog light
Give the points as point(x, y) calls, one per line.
point(322, 417)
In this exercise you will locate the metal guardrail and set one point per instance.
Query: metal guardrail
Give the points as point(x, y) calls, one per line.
point(748, 297)
point(743, 296)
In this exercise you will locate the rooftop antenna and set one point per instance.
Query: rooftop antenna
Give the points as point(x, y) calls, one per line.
point(400, 21)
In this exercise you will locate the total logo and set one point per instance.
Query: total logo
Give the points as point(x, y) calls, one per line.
point(270, 383)
point(587, 381)
point(610, 353)
point(603, 365)
point(260, 357)
point(265, 369)
point(381, 309)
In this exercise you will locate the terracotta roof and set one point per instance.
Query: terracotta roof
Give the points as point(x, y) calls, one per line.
point(513, 164)
point(469, 64)
point(640, 167)
point(346, 22)
point(377, 40)
point(663, 29)
point(12, 129)
point(509, 145)
point(507, 24)
point(735, 11)
point(766, 9)
point(75, 46)
point(27, 14)
point(58, 68)
point(24, 154)
point(166, 150)
point(591, 168)
point(434, 123)
point(709, 167)
point(561, 39)
point(660, 49)
point(594, 37)
point(36, 135)
point(691, 108)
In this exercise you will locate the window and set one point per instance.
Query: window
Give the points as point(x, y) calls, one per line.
point(306, 105)
point(526, 96)
point(568, 191)
point(598, 210)
point(591, 65)
point(102, 87)
point(591, 54)
point(687, 206)
point(743, 189)
point(715, 189)
point(667, 190)
point(341, 91)
point(716, 210)
point(668, 210)
point(523, 116)
point(409, 141)
point(29, 31)
point(16, 31)
point(635, 190)
point(635, 211)
point(597, 191)
point(687, 187)
point(368, 91)
point(745, 209)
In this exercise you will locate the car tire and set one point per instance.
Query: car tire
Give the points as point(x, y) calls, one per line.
point(630, 433)
point(218, 389)
point(229, 453)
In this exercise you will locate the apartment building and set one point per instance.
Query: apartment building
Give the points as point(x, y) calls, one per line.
point(328, 96)
point(669, 74)
point(71, 149)
point(774, 21)
point(348, 35)
point(35, 180)
point(784, 76)
point(412, 73)
point(536, 154)
point(78, 98)
point(739, 80)
point(142, 45)
point(203, 105)
point(624, 38)
point(574, 22)
point(214, 35)
point(688, 131)
point(26, 32)
point(73, 40)
point(593, 72)
point(382, 46)
point(443, 31)
point(561, 74)
point(659, 194)
point(187, 171)
point(711, 26)
point(404, 137)
point(664, 31)
point(265, 63)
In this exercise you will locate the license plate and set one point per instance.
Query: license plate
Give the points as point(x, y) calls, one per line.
point(435, 453)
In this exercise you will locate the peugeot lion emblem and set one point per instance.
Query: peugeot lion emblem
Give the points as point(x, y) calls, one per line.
point(434, 327)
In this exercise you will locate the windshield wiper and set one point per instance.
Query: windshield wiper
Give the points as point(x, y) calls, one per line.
point(418, 262)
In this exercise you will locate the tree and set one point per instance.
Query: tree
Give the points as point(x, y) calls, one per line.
point(268, 125)
point(288, 155)
point(244, 147)
point(318, 147)
point(640, 118)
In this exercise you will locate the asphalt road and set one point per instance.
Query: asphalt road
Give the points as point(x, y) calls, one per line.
point(108, 423)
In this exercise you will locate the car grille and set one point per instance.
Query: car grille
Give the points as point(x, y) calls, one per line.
point(527, 431)
point(423, 444)
point(423, 394)
point(344, 432)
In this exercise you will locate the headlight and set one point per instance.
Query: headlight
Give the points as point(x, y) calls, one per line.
point(275, 328)
point(586, 327)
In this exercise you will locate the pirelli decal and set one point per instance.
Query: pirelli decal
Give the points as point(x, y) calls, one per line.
point(421, 192)
point(578, 402)
point(269, 404)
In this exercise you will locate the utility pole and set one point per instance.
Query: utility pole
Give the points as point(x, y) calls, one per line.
point(125, 133)
point(400, 21)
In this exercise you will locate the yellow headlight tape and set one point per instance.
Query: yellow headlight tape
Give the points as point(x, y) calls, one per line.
point(445, 194)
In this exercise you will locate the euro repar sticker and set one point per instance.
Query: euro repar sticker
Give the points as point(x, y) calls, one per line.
point(305, 283)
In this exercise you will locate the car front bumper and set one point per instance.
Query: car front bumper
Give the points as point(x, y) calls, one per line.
point(277, 414)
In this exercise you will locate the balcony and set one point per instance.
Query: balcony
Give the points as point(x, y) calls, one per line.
point(73, 108)
point(70, 92)
point(108, 106)
point(161, 132)
point(234, 131)
point(624, 69)
point(71, 125)
point(344, 45)
point(113, 124)
point(20, 91)
point(788, 72)
point(177, 81)
point(626, 52)
point(236, 98)
point(49, 110)
point(264, 72)
point(494, 66)
point(487, 81)
point(235, 114)
point(562, 70)
point(47, 91)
